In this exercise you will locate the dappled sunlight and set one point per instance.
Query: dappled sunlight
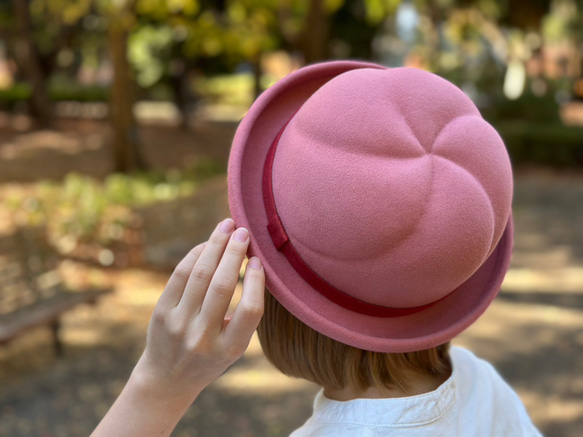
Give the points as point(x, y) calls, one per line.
point(260, 381)
point(549, 409)
point(520, 328)
point(66, 143)
point(255, 375)
point(533, 280)
point(535, 347)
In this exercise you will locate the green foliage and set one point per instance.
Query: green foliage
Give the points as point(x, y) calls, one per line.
point(57, 92)
point(234, 89)
point(68, 11)
point(161, 10)
point(77, 92)
point(82, 209)
point(198, 34)
point(527, 107)
point(377, 10)
point(16, 93)
point(55, 23)
point(533, 132)
point(546, 144)
point(149, 52)
point(561, 23)
point(491, 8)
point(250, 29)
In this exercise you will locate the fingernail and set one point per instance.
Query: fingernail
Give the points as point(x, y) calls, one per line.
point(241, 235)
point(254, 263)
point(227, 226)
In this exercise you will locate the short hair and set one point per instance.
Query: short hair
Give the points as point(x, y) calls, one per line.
point(299, 351)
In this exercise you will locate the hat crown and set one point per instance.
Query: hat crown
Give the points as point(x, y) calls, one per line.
point(391, 186)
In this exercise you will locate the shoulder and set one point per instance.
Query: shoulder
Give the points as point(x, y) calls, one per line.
point(467, 365)
point(484, 395)
point(475, 377)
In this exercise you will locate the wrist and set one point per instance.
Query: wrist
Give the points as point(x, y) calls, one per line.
point(145, 407)
point(160, 391)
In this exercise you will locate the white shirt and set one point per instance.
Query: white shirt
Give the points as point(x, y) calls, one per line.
point(473, 402)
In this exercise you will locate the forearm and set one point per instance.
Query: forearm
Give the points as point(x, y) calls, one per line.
point(190, 341)
point(143, 410)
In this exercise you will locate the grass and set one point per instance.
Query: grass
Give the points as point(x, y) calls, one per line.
point(83, 209)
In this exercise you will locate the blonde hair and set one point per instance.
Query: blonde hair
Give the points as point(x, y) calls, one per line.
point(299, 351)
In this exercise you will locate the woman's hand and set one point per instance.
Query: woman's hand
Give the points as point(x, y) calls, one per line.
point(190, 341)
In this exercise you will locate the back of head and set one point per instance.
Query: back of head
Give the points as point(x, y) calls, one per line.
point(297, 350)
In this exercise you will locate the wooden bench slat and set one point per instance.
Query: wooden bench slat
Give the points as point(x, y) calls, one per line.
point(32, 292)
point(43, 312)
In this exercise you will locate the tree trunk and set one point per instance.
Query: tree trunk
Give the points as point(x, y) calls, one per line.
point(179, 80)
point(28, 60)
point(434, 41)
point(316, 34)
point(122, 98)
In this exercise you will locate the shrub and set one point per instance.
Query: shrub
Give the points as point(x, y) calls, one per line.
point(81, 209)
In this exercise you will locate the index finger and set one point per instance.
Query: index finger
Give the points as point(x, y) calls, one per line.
point(172, 294)
point(204, 269)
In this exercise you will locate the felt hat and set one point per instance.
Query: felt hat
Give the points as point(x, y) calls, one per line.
point(378, 200)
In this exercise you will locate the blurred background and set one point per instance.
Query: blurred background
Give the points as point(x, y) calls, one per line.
point(116, 118)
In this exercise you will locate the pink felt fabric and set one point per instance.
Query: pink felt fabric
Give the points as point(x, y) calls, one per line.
point(391, 187)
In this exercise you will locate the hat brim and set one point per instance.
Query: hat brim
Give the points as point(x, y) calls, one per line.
point(431, 327)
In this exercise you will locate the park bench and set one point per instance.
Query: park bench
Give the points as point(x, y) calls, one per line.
point(32, 293)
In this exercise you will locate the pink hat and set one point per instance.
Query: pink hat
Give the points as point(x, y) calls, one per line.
point(378, 200)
